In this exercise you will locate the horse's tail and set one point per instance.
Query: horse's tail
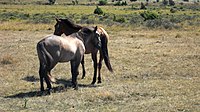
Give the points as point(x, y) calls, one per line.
point(44, 58)
point(43, 55)
point(104, 49)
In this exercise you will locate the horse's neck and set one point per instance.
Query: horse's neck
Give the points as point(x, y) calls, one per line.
point(83, 38)
point(72, 30)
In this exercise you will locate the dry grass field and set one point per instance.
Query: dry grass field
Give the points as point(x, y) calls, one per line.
point(155, 69)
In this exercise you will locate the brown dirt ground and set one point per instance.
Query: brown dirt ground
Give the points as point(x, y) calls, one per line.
point(153, 71)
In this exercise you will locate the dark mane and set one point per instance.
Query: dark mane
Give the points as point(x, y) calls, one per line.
point(71, 24)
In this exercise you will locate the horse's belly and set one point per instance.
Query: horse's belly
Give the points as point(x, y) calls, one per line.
point(65, 57)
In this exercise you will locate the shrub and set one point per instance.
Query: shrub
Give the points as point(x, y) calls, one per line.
point(136, 20)
point(98, 11)
point(117, 3)
point(171, 3)
point(75, 2)
point(165, 2)
point(103, 2)
point(45, 18)
point(51, 1)
point(7, 59)
point(119, 19)
point(173, 10)
point(120, 3)
point(124, 3)
point(142, 6)
point(164, 23)
point(147, 15)
point(13, 16)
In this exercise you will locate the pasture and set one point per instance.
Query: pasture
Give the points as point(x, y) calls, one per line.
point(155, 68)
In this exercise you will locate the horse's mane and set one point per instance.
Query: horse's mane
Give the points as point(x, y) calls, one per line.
point(71, 24)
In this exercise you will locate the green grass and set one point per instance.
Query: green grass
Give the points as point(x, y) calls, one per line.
point(31, 15)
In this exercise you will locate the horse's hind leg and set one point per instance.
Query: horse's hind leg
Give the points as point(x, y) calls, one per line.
point(74, 72)
point(48, 83)
point(83, 67)
point(99, 67)
point(48, 76)
point(42, 74)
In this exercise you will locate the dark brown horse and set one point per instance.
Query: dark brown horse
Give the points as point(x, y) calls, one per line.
point(54, 49)
point(67, 27)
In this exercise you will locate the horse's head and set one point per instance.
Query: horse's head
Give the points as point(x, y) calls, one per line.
point(91, 35)
point(59, 28)
point(65, 26)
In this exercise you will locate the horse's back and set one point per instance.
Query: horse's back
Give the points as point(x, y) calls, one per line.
point(61, 49)
point(71, 48)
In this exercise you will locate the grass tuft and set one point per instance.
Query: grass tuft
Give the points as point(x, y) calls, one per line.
point(7, 59)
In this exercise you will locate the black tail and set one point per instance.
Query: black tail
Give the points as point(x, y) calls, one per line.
point(45, 59)
point(43, 55)
point(104, 49)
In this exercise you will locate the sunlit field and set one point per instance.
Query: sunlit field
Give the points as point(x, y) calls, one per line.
point(156, 62)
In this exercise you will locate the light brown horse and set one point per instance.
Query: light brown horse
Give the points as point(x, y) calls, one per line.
point(54, 49)
point(67, 27)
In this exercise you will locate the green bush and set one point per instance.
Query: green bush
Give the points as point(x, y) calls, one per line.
point(165, 2)
point(120, 3)
point(51, 1)
point(98, 11)
point(173, 10)
point(148, 15)
point(103, 2)
point(119, 19)
point(161, 23)
point(13, 16)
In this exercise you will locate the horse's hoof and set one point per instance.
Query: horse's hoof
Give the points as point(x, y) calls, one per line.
point(93, 83)
point(49, 91)
point(83, 77)
point(42, 89)
point(76, 88)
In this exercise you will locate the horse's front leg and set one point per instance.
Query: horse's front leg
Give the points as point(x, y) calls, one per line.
point(83, 67)
point(99, 67)
point(94, 58)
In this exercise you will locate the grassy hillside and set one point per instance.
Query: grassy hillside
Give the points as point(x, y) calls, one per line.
point(155, 62)
point(185, 16)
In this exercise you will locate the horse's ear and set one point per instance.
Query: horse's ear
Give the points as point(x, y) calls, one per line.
point(95, 29)
point(58, 20)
